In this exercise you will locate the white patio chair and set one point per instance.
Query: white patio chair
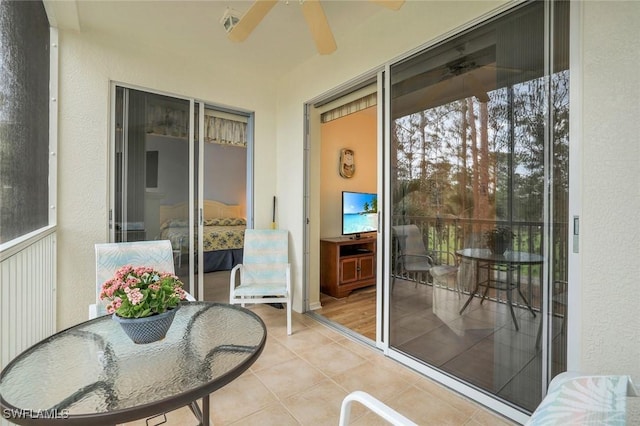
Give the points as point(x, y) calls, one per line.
point(157, 254)
point(265, 272)
point(378, 407)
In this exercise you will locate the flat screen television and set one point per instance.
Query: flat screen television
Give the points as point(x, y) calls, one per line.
point(359, 213)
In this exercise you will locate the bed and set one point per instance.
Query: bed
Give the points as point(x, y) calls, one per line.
point(223, 234)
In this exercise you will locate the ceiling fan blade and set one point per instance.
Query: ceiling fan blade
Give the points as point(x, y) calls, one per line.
point(477, 88)
point(251, 19)
point(319, 26)
point(389, 4)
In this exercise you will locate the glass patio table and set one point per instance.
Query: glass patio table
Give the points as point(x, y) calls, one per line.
point(509, 262)
point(93, 374)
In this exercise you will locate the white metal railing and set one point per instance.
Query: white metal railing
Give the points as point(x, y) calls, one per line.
point(27, 295)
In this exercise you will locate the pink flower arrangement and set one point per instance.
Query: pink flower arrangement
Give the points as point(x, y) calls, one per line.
point(141, 292)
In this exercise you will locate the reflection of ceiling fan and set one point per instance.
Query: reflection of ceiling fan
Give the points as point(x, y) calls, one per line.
point(313, 14)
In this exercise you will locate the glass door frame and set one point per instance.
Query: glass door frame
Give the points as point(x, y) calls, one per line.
point(192, 196)
point(114, 85)
point(202, 106)
point(482, 397)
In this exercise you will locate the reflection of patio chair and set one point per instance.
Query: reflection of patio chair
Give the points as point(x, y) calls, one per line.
point(467, 268)
point(445, 268)
point(265, 275)
point(411, 256)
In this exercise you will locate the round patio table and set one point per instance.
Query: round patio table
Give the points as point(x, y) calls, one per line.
point(509, 262)
point(93, 374)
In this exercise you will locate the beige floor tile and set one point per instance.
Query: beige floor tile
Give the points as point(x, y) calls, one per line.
point(276, 320)
point(318, 405)
point(394, 367)
point(273, 415)
point(331, 333)
point(290, 378)
point(332, 359)
point(423, 407)
point(485, 417)
point(273, 353)
point(304, 339)
point(364, 350)
point(453, 399)
point(380, 382)
point(240, 398)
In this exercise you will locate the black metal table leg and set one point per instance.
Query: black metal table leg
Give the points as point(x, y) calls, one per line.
point(205, 411)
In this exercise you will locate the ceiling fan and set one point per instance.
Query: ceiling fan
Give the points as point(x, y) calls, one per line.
point(313, 14)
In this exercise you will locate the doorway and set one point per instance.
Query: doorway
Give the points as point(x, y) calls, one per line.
point(180, 172)
point(346, 139)
point(475, 147)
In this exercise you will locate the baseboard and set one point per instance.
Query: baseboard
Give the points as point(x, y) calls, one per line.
point(314, 306)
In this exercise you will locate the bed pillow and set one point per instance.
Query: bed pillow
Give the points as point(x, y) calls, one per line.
point(225, 221)
point(174, 223)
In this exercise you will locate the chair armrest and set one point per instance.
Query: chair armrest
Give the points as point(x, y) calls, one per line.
point(289, 280)
point(232, 278)
point(446, 257)
point(373, 404)
point(417, 256)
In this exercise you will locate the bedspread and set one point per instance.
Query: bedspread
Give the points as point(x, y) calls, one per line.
point(220, 234)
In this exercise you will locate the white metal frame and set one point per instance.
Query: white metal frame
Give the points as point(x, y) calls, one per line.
point(192, 196)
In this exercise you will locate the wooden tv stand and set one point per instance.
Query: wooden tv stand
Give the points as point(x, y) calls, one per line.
point(346, 264)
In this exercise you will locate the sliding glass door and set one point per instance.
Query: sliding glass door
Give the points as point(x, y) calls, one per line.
point(170, 183)
point(479, 150)
point(151, 164)
point(221, 192)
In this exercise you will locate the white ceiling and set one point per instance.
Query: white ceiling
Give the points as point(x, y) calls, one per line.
point(281, 41)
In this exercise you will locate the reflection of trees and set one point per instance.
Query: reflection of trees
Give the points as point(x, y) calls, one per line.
point(485, 160)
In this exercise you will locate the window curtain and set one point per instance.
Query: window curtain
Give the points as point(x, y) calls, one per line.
point(225, 131)
point(350, 108)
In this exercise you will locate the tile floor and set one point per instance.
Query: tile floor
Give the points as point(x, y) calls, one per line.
point(302, 379)
point(481, 346)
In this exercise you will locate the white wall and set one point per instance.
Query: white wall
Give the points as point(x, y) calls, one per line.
point(610, 191)
point(87, 65)
point(357, 132)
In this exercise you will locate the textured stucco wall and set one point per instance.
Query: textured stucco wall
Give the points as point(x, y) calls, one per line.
point(610, 191)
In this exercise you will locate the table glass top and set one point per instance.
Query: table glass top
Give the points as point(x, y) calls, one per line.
point(95, 368)
point(508, 256)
